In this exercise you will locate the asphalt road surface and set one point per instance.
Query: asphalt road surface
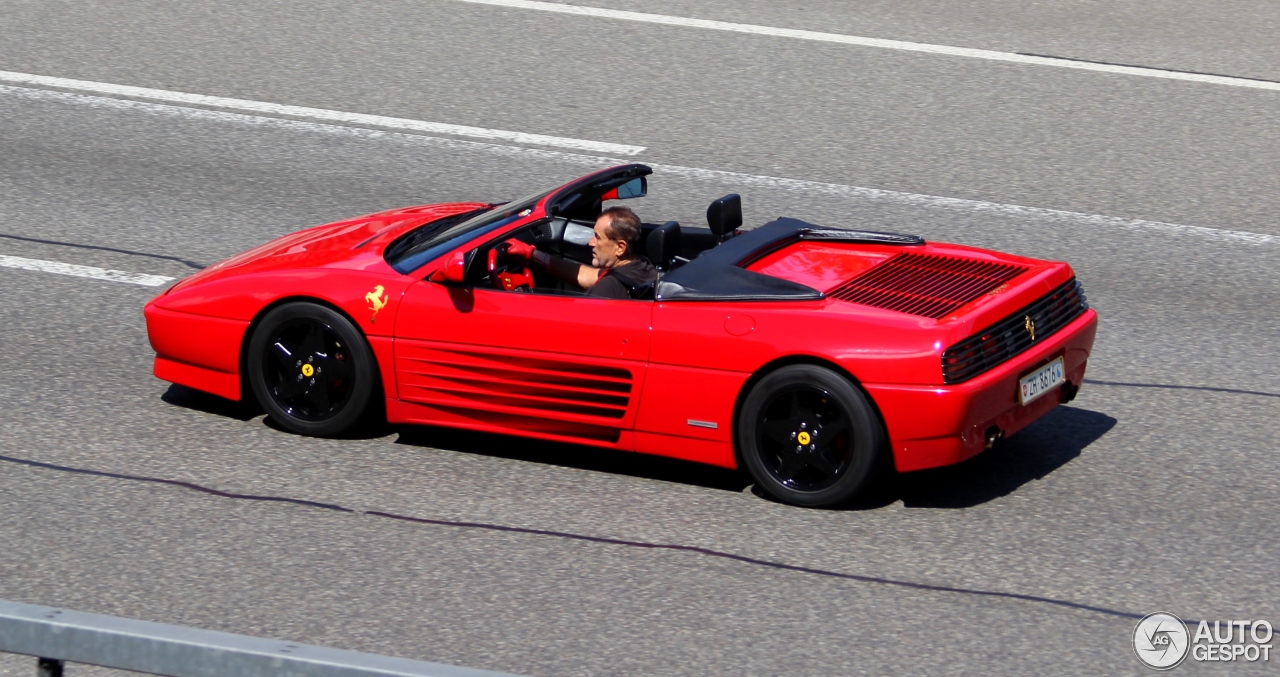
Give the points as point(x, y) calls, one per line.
point(1155, 490)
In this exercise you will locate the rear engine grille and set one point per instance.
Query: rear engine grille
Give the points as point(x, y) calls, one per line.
point(1014, 334)
point(926, 284)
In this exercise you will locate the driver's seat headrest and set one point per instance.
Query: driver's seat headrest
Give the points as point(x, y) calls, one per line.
point(663, 245)
point(725, 215)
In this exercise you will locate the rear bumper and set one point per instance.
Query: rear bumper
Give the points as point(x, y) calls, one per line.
point(196, 351)
point(932, 426)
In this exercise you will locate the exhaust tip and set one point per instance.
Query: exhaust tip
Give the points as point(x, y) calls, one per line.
point(994, 436)
point(1068, 392)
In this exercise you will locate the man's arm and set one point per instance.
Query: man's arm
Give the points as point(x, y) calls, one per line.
point(569, 271)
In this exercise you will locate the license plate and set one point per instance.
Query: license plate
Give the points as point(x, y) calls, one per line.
point(1040, 381)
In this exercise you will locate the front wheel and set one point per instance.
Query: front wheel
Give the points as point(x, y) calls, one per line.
point(809, 437)
point(310, 369)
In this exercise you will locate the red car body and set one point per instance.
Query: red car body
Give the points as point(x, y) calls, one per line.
point(667, 375)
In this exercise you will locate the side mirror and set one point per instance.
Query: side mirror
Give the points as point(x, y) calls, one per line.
point(637, 187)
point(454, 270)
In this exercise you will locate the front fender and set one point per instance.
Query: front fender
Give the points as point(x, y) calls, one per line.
point(371, 299)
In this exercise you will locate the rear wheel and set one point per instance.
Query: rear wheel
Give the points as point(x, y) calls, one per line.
point(809, 437)
point(310, 369)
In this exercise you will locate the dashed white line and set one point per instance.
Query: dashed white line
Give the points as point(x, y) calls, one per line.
point(74, 270)
point(734, 178)
point(402, 124)
point(839, 38)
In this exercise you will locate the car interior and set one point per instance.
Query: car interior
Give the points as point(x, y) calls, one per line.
point(568, 230)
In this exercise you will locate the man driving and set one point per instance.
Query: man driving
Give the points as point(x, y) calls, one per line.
point(616, 264)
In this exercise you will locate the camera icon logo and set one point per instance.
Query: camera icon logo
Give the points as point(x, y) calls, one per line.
point(1161, 641)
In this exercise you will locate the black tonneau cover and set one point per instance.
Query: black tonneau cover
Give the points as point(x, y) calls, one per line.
point(717, 274)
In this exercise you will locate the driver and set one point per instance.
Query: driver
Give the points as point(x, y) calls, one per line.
point(616, 264)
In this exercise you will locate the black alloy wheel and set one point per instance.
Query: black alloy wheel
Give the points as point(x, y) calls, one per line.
point(310, 369)
point(809, 437)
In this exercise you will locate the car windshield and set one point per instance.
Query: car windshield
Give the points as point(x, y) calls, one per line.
point(428, 242)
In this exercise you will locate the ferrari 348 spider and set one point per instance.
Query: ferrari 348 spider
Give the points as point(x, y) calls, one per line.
point(808, 354)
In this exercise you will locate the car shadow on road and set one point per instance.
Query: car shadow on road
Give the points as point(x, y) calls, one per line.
point(1032, 454)
point(574, 456)
point(189, 398)
point(248, 409)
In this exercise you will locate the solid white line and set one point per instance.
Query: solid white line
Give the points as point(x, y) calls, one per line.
point(959, 204)
point(61, 268)
point(696, 173)
point(402, 124)
point(839, 38)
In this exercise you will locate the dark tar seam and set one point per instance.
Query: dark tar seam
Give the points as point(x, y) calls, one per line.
point(598, 539)
point(1148, 68)
point(191, 264)
point(1211, 389)
point(176, 483)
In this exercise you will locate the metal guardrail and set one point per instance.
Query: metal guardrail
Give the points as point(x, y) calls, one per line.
point(55, 636)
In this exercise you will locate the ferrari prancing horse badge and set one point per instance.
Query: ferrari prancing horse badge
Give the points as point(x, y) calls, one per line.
point(377, 301)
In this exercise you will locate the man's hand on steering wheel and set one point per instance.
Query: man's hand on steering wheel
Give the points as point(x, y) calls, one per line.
point(519, 251)
point(508, 266)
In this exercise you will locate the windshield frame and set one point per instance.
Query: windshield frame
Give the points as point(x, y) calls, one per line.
point(493, 218)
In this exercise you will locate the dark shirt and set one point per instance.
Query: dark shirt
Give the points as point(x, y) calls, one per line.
point(618, 281)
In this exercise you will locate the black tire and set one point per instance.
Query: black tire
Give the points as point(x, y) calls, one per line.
point(809, 437)
point(310, 369)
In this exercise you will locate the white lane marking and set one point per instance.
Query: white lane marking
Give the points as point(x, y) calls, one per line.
point(900, 45)
point(72, 269)
point(403, 124)
point(936, 202)
point(594, 162)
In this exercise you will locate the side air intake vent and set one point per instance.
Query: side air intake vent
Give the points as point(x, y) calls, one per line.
point(926, 284)
point(1014, 334)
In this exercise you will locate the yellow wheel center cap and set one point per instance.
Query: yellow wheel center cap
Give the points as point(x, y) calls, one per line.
point(308, 370)
point(803, 438)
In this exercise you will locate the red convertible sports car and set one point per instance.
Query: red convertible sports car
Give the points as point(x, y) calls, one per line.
point(807, 354)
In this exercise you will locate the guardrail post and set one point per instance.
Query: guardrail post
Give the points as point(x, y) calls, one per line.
point(48, 667)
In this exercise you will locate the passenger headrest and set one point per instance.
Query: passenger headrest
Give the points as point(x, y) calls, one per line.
point(663, 244)
point(725, 215)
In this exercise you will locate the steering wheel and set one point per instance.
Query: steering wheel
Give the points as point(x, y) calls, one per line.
point(506, 276)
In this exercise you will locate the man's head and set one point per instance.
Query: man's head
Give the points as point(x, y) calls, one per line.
point(617, 237)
